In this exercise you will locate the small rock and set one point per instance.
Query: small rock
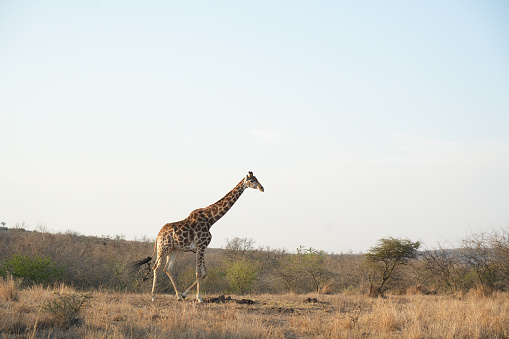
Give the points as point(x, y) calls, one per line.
point(311, 300)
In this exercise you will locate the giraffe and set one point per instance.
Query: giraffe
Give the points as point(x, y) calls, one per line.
point(193, 235)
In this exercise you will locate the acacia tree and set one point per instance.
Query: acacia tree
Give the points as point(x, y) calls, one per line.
point(384, 258)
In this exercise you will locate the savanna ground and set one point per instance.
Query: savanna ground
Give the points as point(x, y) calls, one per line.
point(127, 315)
point(441, 293)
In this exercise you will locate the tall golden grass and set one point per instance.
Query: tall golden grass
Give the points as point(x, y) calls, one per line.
point(123, 315)
point(8, 289)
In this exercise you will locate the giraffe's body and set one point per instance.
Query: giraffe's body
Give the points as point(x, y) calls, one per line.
point(193, 235)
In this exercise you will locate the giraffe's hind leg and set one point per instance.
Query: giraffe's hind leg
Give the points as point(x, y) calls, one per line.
point(170, 261)
point(189, 289)
point(156, 267)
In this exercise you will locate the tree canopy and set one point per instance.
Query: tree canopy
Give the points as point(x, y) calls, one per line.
point(385, 257)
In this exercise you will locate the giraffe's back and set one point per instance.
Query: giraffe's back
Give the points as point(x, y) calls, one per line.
point(186, 235)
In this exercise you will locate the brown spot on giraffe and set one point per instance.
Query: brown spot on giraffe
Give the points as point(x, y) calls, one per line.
point(193, 234)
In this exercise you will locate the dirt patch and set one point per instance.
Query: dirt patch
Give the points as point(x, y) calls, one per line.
point(281, 310)
point(245, 302)
point(222, 299)
point(218, 300)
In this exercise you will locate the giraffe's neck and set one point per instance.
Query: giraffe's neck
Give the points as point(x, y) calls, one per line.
point(223, 205)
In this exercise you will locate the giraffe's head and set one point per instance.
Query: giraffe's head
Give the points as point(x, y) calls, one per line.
point(251, 181)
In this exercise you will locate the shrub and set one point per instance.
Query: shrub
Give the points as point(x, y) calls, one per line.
point(216, 281)
point(65, 310)
point(241, 274)
point(313, 264)
point(33, 270)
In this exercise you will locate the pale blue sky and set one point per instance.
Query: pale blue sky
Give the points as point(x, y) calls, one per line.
point(361, 119)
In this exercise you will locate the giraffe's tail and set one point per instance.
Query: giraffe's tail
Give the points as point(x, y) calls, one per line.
point(135, 266)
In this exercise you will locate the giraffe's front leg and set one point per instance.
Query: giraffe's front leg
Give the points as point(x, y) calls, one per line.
point(201, 272)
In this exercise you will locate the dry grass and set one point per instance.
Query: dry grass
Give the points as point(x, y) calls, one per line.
point(117, 315)
point(8, 289)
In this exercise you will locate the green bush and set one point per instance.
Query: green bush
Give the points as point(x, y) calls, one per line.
point(33, 270)
point(241, 274)
point(216, 280)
